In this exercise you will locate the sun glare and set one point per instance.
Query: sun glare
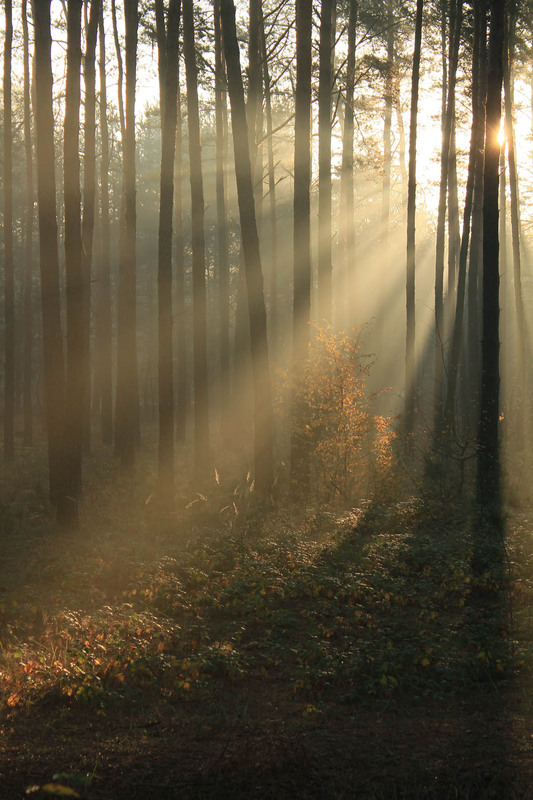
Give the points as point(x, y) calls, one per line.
point(501, 134)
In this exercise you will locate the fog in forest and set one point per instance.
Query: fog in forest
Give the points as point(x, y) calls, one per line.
point(265, 389)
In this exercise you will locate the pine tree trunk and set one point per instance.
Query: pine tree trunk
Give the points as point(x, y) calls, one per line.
point(53, 354)
point(263, 413)
point(103, 326)
point(254, 105)
point(454, 359)
point(454, 235)
point(167, 39)
point(89, 202)
point(28, 238)
point(127, 394)
point(325, 83)
point(201, 404)
point(456, 8)
point(488, 452)
point(345, 310)
point(410, 385)
point(75, 284)
point(271, 199)
point(221, 156)
point(9, 287)
point(299, 477)
point(473, 340)
point(182, 377)
point(521, 333)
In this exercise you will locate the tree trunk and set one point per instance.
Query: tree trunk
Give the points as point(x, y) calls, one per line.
point(299, 477)
point(54, 368)
point(271, 199)
point(28, 238)
point(454, 359)
point(9, 288)
point(263, 413)
point(325, 84)
point(488, 451)
point(454, 235)
point(521, 333)
point(103, 373)
point(127, 396)
point(75, 375)
point(221, 156)
point(201, 404)
point(345, 299)
point(476, 246)
point(410, 386)
point(182, 379)
point(167, 40)
point(456, 8)
point(254, 104)
point(89, 201)
point(120, 70)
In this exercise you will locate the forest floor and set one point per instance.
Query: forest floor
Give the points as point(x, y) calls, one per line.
point(230, 651)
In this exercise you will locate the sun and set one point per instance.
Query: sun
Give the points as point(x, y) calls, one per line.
point(501, 133)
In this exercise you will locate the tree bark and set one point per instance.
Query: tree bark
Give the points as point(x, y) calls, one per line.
point(127, 395)
point(89, 202)
point(271, 198)
point(53, 354)
point(167, 39)
point(325, 84)
point(473, 339)
point(456, 8)
point(182, 372)
point(28, 237)
point(221, 156)
point(9, 284)
point(299, 477)
point(488, 450)
point(201, 403)
point(454, 359)
point(263, 413)
point(521, 333)
point(103, 327)
point(75, 375)
point(410, 385)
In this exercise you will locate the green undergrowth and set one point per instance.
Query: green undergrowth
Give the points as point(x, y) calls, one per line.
point(378, 604)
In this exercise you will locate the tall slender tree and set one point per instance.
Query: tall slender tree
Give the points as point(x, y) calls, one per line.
point(53, 353)
point(325, 84)
point(410, 387)
point(182, 372)
point(127, 392)
point(9, 283)
point(89, 203)
point(221, 126)
point(521, 332)
point(473, 338)
point(271, 168)
point(263, 414)
point(201, 403)
point(302, 244)
point(347, 222)
point(76, 374)
point(28, 234)
point(103, 317)
point(488, 450)
point(456, 11)
point(454, 358)
point(167, 40)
